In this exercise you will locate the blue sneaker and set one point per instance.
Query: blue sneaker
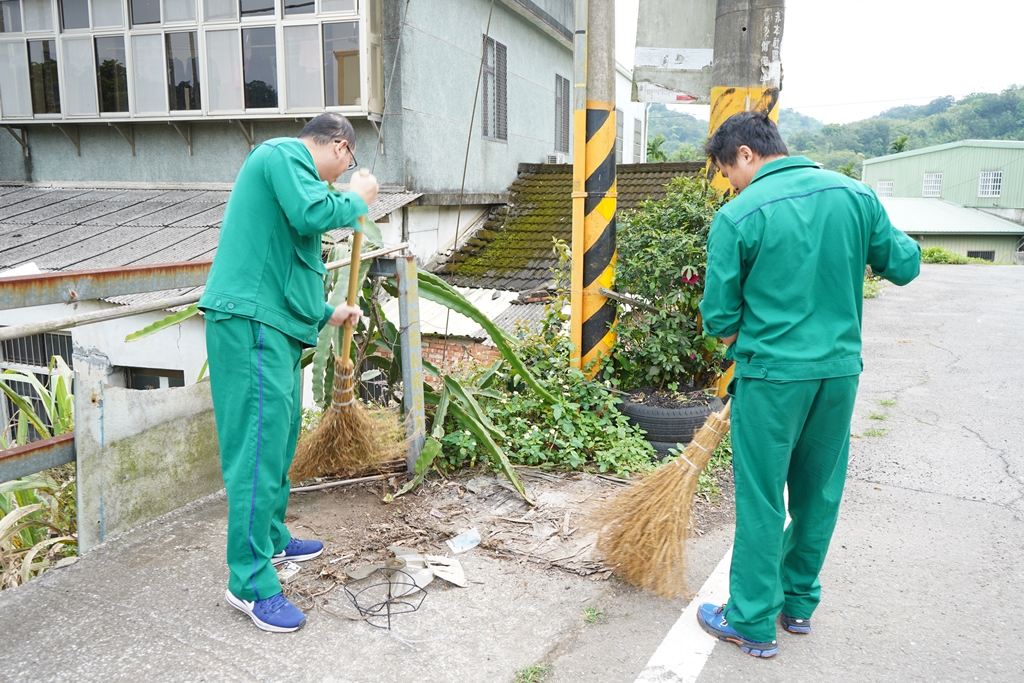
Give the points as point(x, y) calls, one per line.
point(297, 551)
point(794, 625)
point(712, 620)
point(274, 614)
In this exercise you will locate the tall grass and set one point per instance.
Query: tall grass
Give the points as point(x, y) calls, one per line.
point(37, 513)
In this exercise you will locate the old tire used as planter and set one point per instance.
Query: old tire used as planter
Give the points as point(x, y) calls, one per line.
point(667, 427)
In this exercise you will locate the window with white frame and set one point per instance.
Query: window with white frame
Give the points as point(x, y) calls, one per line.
point(638, 150)
point(932, 186)
point(94, 59)
point(885, 188)
point(495, 95)
point(563, 114)
point(990, 184)
point(618, 136)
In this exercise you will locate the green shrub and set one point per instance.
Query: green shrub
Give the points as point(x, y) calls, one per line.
point(662, 256)
point(942, 255)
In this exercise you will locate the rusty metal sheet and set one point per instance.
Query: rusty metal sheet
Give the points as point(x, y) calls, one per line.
point(141, 248)
point(36, 457)
point(64, 287)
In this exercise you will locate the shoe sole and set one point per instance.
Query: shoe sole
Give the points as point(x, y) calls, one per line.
point(262, 625)
point(743, 645)
point(296, 558)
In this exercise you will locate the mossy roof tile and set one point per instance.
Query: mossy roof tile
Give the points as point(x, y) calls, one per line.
point(516, 252)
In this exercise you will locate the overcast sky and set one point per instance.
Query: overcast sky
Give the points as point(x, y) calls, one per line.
point(845, 60)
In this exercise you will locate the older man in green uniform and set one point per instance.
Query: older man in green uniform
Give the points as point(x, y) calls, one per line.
point(784, 289)
point(263, 303)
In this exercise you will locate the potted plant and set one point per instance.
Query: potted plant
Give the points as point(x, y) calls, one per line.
point(662, 357)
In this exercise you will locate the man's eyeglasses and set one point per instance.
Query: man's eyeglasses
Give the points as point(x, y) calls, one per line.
point(351, 164)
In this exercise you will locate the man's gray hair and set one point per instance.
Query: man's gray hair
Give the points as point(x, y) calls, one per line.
point(324, 129)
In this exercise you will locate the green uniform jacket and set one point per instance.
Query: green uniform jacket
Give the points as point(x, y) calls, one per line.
point(268, 265)
point(786, 270)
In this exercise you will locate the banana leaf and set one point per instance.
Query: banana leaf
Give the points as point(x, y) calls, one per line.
point(437, 290)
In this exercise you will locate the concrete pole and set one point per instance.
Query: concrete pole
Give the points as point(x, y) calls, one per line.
point(593, 313)
point(747, 72)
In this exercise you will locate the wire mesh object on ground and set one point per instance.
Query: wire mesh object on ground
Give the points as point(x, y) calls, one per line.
point(385, 593)
point(642, 531)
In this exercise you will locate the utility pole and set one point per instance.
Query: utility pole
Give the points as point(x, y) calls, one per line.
point(594, 190)
point(747, 72)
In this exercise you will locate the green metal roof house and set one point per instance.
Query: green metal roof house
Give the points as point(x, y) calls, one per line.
point(950, 195)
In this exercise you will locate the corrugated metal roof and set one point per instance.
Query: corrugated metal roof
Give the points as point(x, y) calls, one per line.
point(1001, 144)
point(78, 228)
point(935, 216)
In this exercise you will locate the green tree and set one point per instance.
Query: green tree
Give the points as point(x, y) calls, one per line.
point(849, 171)
point(654, 148)
point(899, 144)
point(687, 152)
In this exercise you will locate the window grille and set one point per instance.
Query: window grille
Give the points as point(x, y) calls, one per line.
point(638, 142)
point(563, 112)
point(984, 255)
point(932, 185)
point(990, 184)
point(32, 355)
point(618, 136)
point(495, 105)
point(885, 188)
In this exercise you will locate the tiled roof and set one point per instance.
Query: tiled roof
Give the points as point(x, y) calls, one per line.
point(513, 250)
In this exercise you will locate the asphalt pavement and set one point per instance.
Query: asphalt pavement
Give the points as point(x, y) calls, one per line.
point(922, 583)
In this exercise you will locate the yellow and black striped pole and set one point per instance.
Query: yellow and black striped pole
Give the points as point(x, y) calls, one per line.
point(594, 190)
point(747, 75)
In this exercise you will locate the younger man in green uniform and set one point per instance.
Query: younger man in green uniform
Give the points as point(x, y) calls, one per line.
point(263, 303)
point(784, 289)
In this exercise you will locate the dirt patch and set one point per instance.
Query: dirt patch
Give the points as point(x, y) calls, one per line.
point(656, 398)
point(357, 527)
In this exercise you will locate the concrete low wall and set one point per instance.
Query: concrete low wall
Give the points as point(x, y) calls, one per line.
point(140, 454)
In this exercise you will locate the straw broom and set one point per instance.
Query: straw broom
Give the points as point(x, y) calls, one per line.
point(642, 531)
point(348, 438)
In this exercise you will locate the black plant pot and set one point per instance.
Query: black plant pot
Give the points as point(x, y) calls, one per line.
point(667, 427)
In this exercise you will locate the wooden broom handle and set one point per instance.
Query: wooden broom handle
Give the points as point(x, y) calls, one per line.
point(723, 414)
point(353, 283)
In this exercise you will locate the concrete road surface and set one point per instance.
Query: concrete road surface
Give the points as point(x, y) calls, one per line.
point(924, 581)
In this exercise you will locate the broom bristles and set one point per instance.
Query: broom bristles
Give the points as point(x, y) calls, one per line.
point(348, 438)
point(642, 531)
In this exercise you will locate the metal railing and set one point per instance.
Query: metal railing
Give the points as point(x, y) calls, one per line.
point(71, 286)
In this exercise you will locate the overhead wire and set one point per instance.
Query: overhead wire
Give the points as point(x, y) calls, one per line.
point(391, 82)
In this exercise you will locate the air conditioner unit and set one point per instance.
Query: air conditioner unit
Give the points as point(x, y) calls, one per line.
point(557, 158)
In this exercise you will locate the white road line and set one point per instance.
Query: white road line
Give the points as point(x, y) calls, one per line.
point(681, 656)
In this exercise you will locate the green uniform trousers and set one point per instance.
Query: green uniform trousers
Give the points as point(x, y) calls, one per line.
point(257, 399)
point(795, 433)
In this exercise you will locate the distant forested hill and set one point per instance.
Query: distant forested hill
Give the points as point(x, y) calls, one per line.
point(982, 116)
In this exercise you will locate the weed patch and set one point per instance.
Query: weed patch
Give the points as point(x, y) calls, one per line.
point(533, 674)
point(593, 614)
point(875, 431)
point(878, 416)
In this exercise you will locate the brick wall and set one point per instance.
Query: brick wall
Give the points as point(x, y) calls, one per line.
point(460, 354)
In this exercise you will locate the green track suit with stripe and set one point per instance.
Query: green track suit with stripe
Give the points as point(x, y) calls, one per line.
point(263, 303)
point(785, 272)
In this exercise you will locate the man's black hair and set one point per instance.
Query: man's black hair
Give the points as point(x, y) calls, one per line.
point(751, 128)
point(324, 129)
